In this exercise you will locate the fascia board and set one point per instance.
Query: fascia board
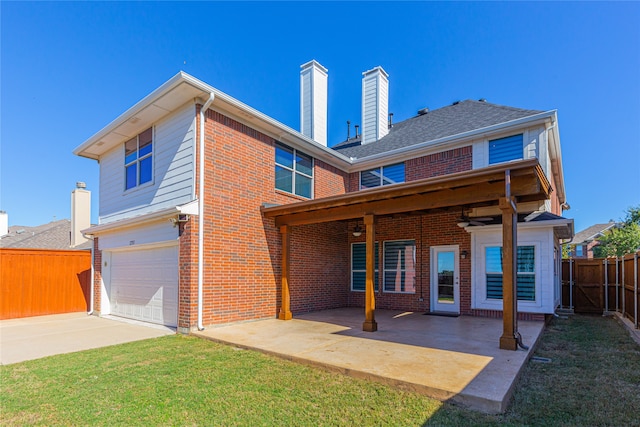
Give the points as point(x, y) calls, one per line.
point(228, 104)
point(451, 141)
point(567, 222)
point(137, 220)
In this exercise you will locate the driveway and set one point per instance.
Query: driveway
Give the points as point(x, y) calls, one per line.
point(35, 337)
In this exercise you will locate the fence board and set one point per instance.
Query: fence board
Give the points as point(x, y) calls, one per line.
point(35, 282)
point(598, 285)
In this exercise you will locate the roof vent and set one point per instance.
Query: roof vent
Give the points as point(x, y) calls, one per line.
point(81, 184)
point(482, 100)
point(455, 102)
point(423, 111)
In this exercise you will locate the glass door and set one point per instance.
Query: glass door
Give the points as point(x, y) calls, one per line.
point(445, 279)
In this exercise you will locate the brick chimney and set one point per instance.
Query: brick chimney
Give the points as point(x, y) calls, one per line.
point(375, 104)
point(313, 101)
point(80, 213)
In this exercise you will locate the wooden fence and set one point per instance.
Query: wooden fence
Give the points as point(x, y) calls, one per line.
point(602, 284)
point(34, 282)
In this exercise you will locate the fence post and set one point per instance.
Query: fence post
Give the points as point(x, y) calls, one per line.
point(635, 288)
point(570, 283)
point(617, 285)
point(624, 291)
point(606, 284)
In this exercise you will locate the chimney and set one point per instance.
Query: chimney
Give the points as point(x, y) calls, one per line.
point(4, 224)
point(375, 104)
point(80, 213)
point(313, 101)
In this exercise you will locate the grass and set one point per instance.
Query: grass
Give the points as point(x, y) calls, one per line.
point(593, 379)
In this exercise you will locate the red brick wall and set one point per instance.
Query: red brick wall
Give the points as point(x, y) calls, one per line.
point(427, 230)
point(97, 276)
point(242, 249)
point(442, 163)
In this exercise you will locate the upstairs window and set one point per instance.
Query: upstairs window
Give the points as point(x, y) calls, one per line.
point(384, 175)
point(526, 275)
point(294, 171)
point(579, 250)
point(138, 159)
point(505, 149)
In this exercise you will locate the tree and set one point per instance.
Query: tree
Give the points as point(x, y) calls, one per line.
point(621, 240)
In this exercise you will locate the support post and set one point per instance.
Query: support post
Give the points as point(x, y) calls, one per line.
point(508, 339)
point(370, 324)
point(285, 309)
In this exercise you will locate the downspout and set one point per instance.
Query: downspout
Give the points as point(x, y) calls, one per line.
point(201, 208)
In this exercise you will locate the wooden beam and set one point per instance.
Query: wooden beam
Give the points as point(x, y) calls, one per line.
point(509, 274)
point(285, 309)
point(484, 192)
point(370, 324)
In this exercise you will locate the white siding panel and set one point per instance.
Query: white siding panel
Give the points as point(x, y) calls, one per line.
point(480, 150)
point(148, 234)
point(173, 171)
point(542, 239)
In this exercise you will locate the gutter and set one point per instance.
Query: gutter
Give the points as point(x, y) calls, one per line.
point(397, 154)
point(203, 110)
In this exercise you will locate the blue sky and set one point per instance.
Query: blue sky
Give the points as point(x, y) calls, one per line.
point(68, 69)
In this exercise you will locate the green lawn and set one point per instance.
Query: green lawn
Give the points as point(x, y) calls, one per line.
point(593, 379)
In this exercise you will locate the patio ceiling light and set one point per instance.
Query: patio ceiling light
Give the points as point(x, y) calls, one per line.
point(357, 232)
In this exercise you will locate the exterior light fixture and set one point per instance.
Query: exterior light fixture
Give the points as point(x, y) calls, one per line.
point(463, 224)
point(464, 254)
point(357, 232)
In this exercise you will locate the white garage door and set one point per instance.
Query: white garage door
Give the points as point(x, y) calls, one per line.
point(144, 285)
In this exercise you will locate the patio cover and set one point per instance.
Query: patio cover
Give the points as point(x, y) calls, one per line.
point(503, 185)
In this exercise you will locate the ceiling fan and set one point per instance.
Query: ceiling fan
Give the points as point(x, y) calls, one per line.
point(464, 220)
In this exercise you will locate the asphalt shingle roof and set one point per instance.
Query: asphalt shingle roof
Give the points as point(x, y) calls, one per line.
point(53, 235)
point(452, 120)
point(590, 233)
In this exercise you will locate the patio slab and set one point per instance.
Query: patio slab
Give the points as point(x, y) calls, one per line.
point(455, 359)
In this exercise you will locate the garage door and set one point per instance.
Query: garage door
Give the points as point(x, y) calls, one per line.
point(144, 285)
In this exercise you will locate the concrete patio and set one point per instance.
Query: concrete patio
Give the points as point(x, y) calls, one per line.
point(447, 358)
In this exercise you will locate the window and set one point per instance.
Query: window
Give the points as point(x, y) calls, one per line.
point(384, 175)
point(359, 266)
point(400, 266)
point(138, 159)
point(579, 250)
point(294, 171)
point(505, 149)
point(526, 276)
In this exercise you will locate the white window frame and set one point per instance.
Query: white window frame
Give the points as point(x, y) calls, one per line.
point(138, 160)
point(380, 171)
point(293, 170)
point(384, 269)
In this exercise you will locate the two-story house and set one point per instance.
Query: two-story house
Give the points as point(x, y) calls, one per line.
point(212, 212)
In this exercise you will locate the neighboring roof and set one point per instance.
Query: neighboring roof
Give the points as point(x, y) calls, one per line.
point(456, 119)
point(54, 235)
point(591, 233)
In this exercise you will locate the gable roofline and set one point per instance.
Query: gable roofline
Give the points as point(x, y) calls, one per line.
point(464, 138)
point(182, 89)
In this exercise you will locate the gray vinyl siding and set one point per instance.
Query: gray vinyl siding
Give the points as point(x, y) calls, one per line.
point(173, 171)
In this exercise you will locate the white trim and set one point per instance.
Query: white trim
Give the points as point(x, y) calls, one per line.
point(384, 269)
point(143, 246)
point(433, 304)
point(138, 220)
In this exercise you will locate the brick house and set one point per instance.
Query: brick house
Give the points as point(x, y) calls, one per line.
point(584, 241)
point(411, 215)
